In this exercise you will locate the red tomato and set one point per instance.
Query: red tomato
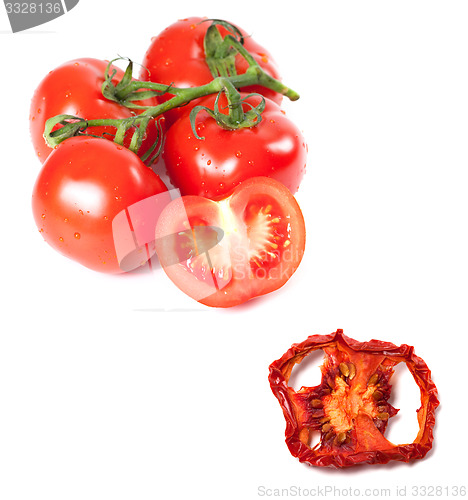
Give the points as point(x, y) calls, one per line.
point(74, 88)
point(225, 253)
point(83, 185)
point(212, 167)
point(176, 56)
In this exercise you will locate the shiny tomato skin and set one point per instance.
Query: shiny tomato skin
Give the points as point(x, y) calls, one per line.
point(261, 244)
point(74, 88)
point(213, 166)
point(84, 183)
point(176, 56)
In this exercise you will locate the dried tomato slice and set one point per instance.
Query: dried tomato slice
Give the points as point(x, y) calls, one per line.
point(350, 407)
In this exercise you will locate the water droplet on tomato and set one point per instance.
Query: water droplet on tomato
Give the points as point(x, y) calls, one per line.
point(238, 154)
point(65, 220)
point(77, 64)
point(77, 236)
point(43, 216)
point(105, 217)
point(81, 212)
point(208, 162)
point(60, 239)
point(39, 110)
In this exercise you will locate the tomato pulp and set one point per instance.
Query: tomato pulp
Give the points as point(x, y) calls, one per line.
point(225, 253)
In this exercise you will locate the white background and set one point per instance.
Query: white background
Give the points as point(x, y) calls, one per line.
point(124, 388)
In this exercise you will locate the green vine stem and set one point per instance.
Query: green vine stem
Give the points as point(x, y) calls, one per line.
point(130, 93)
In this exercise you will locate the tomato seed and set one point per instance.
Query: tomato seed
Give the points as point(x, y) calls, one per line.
point(344, 369)
point(377, 395)
point(341, 437)
point(329, 435)
point(316, 403)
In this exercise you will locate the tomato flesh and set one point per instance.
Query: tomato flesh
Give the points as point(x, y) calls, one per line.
point(230, 251)
point(350, 407)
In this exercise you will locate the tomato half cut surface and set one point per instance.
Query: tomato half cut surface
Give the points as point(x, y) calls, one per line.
point(225, 253)
point(350, 407)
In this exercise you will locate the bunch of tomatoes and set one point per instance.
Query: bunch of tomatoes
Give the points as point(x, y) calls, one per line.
point(205, 110)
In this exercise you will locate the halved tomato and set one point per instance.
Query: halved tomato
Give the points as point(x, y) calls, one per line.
point(227, 252)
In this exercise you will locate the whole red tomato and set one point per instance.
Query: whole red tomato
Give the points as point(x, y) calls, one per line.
point(74, 88)
point(213, 166)
point(225, 253)
point(176, 57)
point(83, 185)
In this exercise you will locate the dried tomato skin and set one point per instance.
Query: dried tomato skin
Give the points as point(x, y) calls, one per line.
point(301, 417)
